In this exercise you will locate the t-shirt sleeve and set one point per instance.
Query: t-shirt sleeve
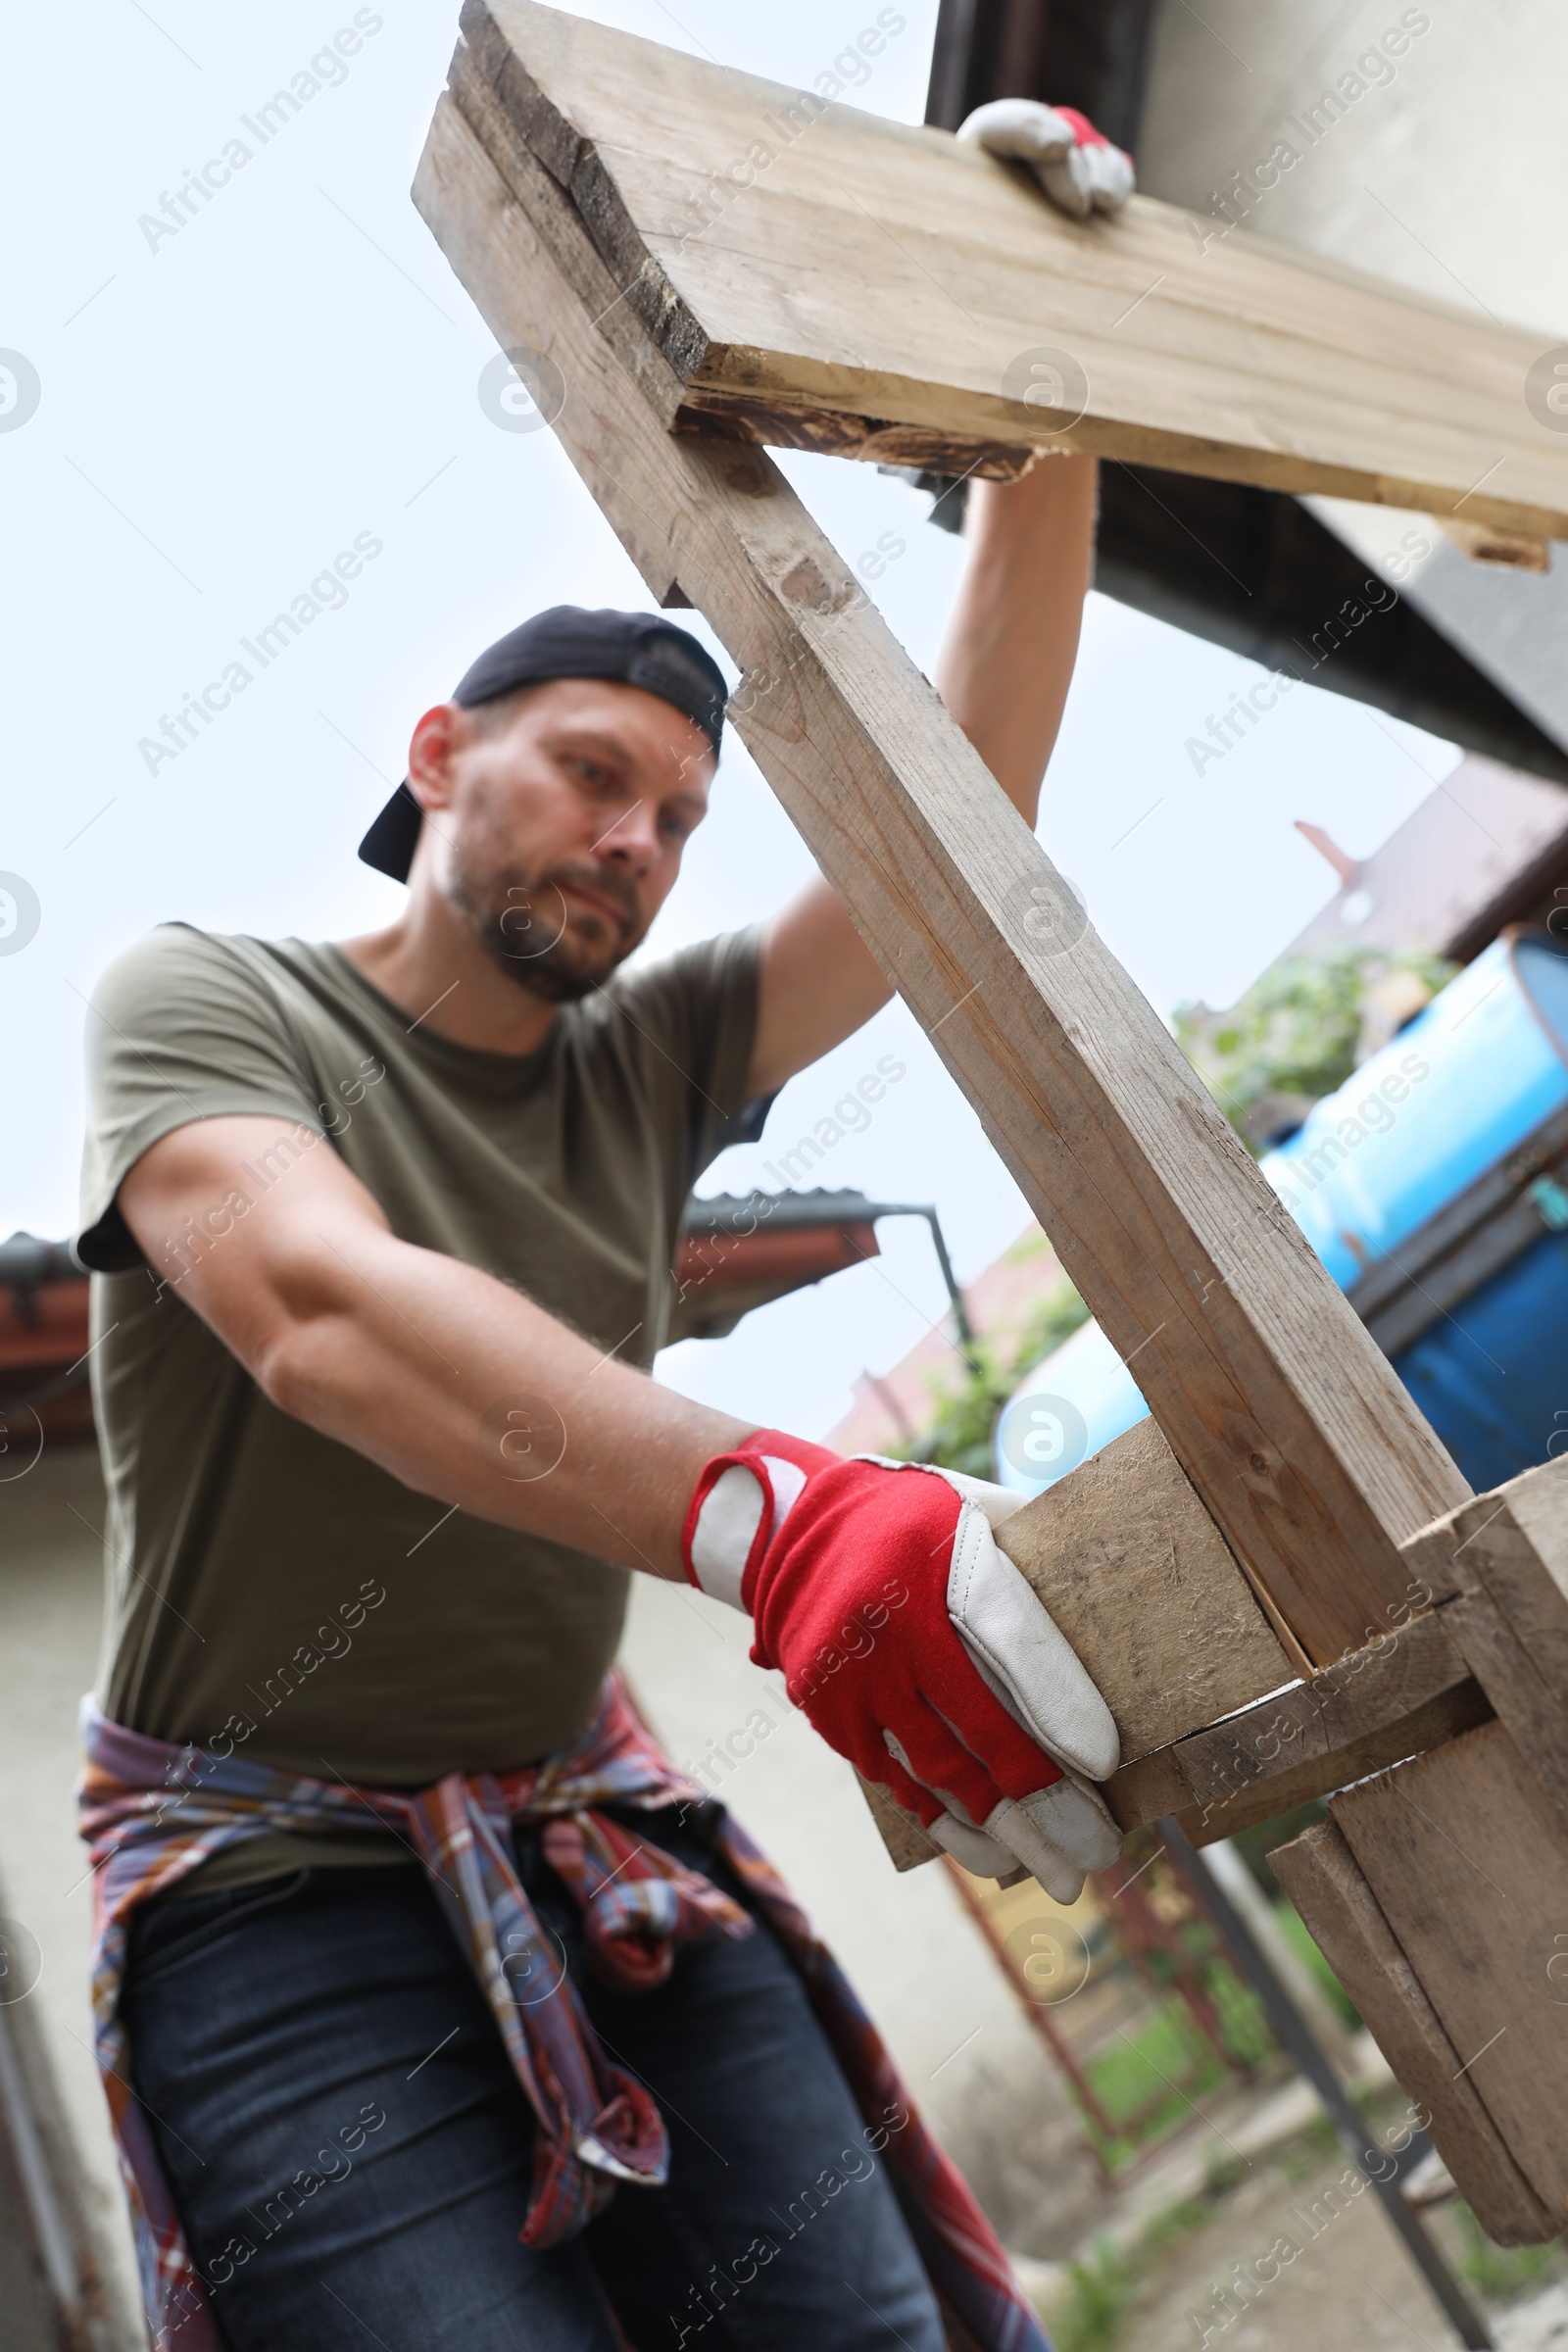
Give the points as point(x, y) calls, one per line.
point(693, 1023)
point(180, 1028)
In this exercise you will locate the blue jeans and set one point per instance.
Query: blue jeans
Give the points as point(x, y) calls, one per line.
point(351, 2153)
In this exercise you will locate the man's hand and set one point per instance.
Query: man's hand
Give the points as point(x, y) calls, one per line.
point(1076, 164)
point(915, 1648)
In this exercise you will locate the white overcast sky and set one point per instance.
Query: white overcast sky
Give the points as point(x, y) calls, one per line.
point(219, 417)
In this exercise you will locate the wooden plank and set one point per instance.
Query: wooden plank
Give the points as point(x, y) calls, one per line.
point(1507, 1553)
point(907, 1842)
point(1306, 1743)
point(1506, 548)
point(1512, 1541)
point(1538, 1504)
point(822, 277)
point(1406, 1693)
point(1529, 1701)
point(1307, 1449)
point(1326, 1883)
point(1142, 1583)
point(1470, 1865)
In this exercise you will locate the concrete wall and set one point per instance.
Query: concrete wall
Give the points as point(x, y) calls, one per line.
point(1448, 173)
point(51, 1603)
point(1451, 178)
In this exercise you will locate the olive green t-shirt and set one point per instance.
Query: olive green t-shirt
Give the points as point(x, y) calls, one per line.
point(271, 1592)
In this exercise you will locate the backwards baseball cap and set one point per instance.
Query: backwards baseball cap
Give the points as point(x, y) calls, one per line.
point(640, 649)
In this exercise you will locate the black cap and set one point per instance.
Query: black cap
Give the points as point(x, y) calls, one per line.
point(640, 649)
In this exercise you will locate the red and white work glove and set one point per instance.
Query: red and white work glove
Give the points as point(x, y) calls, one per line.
point(915, 1647)
point(1074, 162)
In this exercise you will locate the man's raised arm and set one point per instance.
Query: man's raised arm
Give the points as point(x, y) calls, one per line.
point(1006, 665)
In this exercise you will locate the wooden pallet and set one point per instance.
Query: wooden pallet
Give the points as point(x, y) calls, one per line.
point(1286, 1525)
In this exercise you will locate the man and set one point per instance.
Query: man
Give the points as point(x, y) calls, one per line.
point(384, 1235)
point(385, 1232)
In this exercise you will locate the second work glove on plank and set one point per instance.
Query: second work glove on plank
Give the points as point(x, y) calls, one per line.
point(1074, 162)
point(915, 1647)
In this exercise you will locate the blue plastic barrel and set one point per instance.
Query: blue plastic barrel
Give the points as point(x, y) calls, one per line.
point(1471, 1079)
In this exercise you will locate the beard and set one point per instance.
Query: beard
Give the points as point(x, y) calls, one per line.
point(553, 947)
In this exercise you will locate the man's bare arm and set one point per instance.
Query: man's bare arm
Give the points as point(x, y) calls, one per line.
point(1005, 666)
point(413, 1359)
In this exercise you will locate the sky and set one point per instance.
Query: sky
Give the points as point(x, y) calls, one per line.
point(194, 425)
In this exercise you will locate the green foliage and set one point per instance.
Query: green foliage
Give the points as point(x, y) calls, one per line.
point(1168, 2050)
point(959, 1435)
point(1098, 2298)
point(1500, 2272)
point(1102, 2291)
point(1297, 1029)
point(1175, 2222)
point(1052, 1320)
point(1243, 2020)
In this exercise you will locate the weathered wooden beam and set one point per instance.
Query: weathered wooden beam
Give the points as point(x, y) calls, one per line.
point(1504, 1556)
point(825, 279)
point(1125, 1557)
point(1331, 1891)
point(1440, 1895)
point(1409, 1691)
point(1469, 1864)
point(1141, 1581)
point(1307, 1452)
point(1307, 1449)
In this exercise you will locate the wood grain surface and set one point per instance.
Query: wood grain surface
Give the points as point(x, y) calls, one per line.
point(1141, 1581)
point(1328, 1888)
point(829, 278)
point(1469, 1864)
point(1504, 1557)
point(1405, 1692)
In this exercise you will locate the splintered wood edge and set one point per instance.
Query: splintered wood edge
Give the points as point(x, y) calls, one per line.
point(1509, 551)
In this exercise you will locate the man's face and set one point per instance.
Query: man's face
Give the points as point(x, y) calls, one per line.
point(554, 826)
